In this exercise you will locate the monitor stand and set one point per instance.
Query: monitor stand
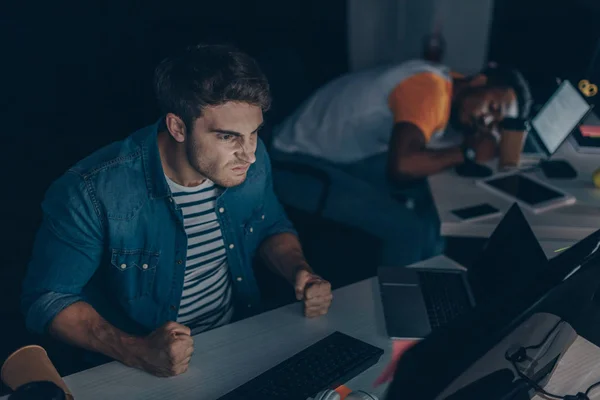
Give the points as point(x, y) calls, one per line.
point(558, 169)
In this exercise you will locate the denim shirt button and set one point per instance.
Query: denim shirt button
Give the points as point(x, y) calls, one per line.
point(123, 266)
point(251, 229)
point(239, 278)
point(221, 210)
point(231, 246)
point(179, 261)
point(262, 216)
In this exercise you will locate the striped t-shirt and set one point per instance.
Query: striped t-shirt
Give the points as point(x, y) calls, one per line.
point(206, 298)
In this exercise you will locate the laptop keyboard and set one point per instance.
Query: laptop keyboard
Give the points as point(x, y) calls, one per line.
point(445, 296)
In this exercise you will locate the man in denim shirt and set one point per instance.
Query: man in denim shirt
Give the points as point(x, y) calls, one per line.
point(156, 233)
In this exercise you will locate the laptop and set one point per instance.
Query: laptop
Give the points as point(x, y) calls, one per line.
point(417, 300)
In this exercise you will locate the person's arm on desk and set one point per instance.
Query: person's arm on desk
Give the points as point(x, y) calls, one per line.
point(283, 254)
point(281, 250)
point(165, 352)
point(408, 157)
point(67, 252)
point(419, 106)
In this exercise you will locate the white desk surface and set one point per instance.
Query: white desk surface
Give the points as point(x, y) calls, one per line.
point(576, 371)
point(229, 356)
point(570, 223)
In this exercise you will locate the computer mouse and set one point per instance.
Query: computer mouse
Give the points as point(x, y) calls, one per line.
point(356, 395)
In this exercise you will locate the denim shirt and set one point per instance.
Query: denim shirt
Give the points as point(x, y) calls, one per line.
point(113, 236)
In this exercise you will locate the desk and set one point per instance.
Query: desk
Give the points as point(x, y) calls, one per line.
point(227, 357)
point(576, 371)
point(571, 223)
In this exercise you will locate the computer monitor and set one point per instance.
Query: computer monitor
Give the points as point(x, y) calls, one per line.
point(430, 367)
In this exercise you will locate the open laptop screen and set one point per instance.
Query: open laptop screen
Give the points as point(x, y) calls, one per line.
point(559, 117)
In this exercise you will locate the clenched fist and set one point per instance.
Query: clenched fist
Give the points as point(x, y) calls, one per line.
point(167, 351)
point(315, 292)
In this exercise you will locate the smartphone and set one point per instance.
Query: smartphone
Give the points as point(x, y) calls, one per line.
point(480, 211)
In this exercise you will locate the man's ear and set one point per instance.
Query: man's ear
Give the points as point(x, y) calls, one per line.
point(176, 127)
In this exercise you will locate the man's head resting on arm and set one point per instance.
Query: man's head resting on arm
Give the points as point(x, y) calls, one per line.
point(212, 98)
point(482, 101)
point(478, 106)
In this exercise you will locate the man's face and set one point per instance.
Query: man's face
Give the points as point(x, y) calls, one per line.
point(223, 141)
point(482, 109)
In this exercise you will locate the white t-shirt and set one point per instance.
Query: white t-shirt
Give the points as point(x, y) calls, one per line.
point(350, 118)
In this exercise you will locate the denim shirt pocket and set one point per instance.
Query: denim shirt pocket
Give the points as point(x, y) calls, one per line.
point(252, 227)
point(132, 272)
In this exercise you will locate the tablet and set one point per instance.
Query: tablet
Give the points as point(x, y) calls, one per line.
point(529, 192)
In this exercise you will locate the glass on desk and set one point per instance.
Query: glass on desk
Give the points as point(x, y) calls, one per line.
point(511, 146)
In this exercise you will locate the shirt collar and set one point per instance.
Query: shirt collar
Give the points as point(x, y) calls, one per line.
point(153, 171)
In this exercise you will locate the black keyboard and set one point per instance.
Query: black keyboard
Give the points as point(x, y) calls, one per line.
point(327, 364)
point(445, 296)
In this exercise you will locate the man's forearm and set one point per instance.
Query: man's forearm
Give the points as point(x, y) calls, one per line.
point(426, 162)
point(283, 255)
point(82, 326)
point(409, 157)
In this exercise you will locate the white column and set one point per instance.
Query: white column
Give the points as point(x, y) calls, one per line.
point(466, 27)
point(382, 31)
point(372, 32)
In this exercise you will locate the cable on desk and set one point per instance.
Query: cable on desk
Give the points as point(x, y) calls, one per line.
point(592, 387)
point(521, 355)
point(554, 328)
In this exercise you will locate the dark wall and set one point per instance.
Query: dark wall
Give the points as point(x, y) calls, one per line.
point(547, 39)
point(77, 75)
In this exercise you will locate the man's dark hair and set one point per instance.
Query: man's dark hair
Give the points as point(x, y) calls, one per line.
point(208, 75)
point(502, 76)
